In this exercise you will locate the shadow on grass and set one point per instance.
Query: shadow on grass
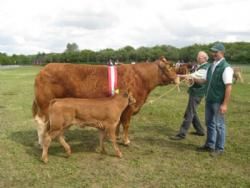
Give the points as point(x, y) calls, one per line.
point(165, 143)
point(147, 136)
point(80, 140)
point(158, 135)
point(156, 128)
point(143, 138)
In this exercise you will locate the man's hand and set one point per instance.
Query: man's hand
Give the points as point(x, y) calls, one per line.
point(223, 108)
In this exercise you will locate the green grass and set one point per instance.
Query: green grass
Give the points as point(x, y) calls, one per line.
point(152, 160)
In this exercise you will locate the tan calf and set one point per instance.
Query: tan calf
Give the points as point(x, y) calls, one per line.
point(237, 75)
point(102, 113)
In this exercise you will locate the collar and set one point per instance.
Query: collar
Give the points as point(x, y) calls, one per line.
point(204, 63)
point(215, 63)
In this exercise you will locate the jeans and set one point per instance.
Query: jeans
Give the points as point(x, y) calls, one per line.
point(215, 126)
point(191, 116)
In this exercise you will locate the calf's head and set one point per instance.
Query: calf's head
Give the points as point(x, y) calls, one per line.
point(129, 96)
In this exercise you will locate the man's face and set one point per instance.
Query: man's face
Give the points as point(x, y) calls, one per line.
point(217, 55)
point(201, 58)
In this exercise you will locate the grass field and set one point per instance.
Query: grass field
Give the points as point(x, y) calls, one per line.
point(152, 160)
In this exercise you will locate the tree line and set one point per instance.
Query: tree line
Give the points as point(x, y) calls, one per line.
point(236, 53)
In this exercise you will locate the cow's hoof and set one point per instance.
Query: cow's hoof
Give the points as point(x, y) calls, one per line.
point(45, 160)
point(126, 142)
point(68, 153)
point(119, 155)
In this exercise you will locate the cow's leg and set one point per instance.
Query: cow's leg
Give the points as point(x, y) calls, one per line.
point(64, 144)
point(125, 119)
point(113, 138)
point(41, 127)
point(117, 131)
point(45, 146)
point(102, 135)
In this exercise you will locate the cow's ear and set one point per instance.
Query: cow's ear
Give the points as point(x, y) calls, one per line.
point(162, 58)
point(162, 64)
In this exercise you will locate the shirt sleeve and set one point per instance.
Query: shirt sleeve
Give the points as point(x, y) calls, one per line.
point(227, 75)
point(200, 74)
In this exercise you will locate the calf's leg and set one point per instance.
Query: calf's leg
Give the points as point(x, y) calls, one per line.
point(45, 146)
point(117, 131)
point(113, 138)
point(64, 144)
point(102, 135)
point(125, 119)
point(41, 127)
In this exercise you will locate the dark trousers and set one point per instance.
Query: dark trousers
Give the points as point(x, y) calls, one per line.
point(191, 116)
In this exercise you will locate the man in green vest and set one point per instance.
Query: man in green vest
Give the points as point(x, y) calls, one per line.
point(196, 93)
point(219, 85)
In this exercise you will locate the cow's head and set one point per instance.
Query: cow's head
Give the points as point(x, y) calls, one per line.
point(181, 70)
point(167, 71)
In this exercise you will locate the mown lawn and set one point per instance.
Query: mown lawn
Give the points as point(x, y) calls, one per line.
point(152, 159)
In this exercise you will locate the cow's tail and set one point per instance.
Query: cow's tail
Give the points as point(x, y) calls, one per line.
point(42, 122)
point(34, 108)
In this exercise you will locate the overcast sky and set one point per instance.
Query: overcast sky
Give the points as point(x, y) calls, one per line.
point(32, 26)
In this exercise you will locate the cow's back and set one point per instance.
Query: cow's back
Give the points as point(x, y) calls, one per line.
point(62, 80)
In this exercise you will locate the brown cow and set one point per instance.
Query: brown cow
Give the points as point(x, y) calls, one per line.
point(101, 113)
point(61, 80)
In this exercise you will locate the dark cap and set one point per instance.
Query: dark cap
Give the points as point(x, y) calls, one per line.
point(218, 47)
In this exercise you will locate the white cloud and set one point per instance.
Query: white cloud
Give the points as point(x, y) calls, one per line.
point(47, 26)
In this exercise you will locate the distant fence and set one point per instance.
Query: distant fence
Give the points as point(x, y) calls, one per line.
point(243, 67)
point(9, 66)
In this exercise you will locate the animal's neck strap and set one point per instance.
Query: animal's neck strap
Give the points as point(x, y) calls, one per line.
point(112, 79)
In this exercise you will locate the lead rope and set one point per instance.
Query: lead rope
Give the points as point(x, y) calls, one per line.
point(189, 81)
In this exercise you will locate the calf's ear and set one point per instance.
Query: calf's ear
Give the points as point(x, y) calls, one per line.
point(117, 91)
point(125, 94)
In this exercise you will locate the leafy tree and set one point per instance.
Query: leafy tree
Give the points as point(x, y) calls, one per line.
point(72, 47)
point(237, 52)
point(87, 56)
point(4, 59)
point(125, 54)
point(143, 54)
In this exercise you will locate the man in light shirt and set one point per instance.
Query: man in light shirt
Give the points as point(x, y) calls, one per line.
point(219, 85)
point(196, 93)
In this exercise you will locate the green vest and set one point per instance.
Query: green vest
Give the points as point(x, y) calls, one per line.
point(199, 90)
point(216, 86)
